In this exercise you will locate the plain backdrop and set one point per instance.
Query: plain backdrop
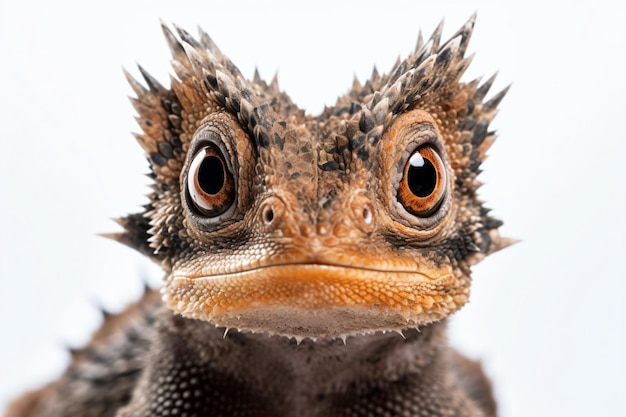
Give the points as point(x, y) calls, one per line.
point(547, 316)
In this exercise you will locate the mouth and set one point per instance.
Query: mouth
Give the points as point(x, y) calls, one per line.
point(317, 300)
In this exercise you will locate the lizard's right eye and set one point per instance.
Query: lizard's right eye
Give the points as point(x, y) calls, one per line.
point(210, 182)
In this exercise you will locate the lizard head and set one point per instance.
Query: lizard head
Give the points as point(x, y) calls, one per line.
point(363, 218)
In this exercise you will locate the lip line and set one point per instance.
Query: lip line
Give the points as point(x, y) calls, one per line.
point(304, 265)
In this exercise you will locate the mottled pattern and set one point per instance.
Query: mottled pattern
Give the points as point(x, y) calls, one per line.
point(316, 292)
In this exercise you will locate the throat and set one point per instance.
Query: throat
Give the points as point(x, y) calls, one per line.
point(331, 361)
point(298, 374)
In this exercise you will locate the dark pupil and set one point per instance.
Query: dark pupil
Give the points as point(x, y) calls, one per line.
point(422, 177)
point(211, 175)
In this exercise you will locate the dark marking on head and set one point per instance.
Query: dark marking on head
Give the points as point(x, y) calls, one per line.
point(263, 139)
point(355, 107)
point(363, 153)
point(280, 141)
point(166, 149)
point(212, 81)
point(480, 133)
point(158, 159)
point(221, 99)
point(329, 166)
point(366, 123)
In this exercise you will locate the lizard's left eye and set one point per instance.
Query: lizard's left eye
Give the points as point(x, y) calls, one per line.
point(423, 184)
point(210, 182)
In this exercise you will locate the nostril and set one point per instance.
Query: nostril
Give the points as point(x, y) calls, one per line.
point(268, 215)
point(362, 213)
point(271, 212)
point(367, 215)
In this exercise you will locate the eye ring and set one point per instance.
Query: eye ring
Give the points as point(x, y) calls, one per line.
point(210, 182)
point(423, 185)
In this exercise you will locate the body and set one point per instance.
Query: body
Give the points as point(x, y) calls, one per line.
point(194, 367)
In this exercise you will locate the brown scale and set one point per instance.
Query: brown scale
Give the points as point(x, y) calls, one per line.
point(309, 260)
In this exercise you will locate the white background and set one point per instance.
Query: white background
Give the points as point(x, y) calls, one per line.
point(547, 316)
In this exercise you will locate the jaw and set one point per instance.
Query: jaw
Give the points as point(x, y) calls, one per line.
point(318, 300)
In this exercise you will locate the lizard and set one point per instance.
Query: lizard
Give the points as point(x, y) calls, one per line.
point(311, 262)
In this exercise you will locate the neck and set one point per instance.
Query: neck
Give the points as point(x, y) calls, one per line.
point(300, 373)
point(371, 356)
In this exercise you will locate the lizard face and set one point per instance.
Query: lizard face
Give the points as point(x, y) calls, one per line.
point(363, 218)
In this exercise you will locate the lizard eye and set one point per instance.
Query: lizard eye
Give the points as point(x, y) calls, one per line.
point(211, 183)
point(423, 184)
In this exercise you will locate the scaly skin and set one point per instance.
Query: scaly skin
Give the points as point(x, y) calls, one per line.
point(299, 269)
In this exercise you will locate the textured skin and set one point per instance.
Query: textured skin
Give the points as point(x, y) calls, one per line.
point(303, 296)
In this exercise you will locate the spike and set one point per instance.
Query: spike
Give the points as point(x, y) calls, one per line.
point(474, 83)
point(140, 105)
point(436, 37)
point(246, 108)
point(380, 111)
point(495, 100)
point(482, 91)
point(175, 47)
point(498, 243)
point(121, 221)
point(208, 43)
point(420, 42)
point(366, 121)
point(274, 83)
point(446, 54)
point(139, 89)
point(257, 77)
point(472, 20)
point(73, 351)
point(226, 330)
point(105, 314)
point(471, 247)
point(181, 69)
point(118, 237)
point(396, 64)
point(398, 69)
point(423, 74)
point(153, 84)
point(144, 141)
point(395, 90)
point(186, 37)
point(375, 75)
point(196, 60)
point(426, 51)
point(224, 81)
point(464, 64)
point(466, 32)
